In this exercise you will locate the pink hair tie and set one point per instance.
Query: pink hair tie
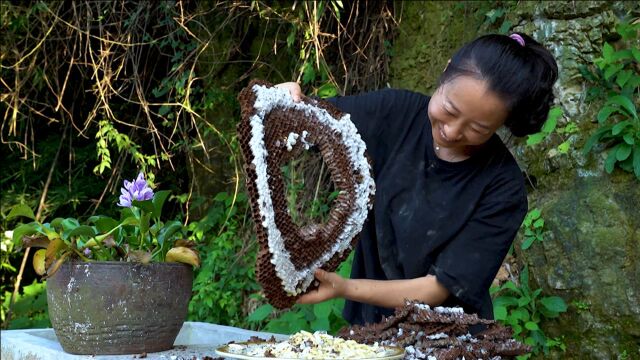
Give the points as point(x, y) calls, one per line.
point(517, 38)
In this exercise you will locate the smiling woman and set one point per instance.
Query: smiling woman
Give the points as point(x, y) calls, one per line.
point(464, 115)
point(450, 197)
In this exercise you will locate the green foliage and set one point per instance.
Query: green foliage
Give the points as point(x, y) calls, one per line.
point(305, 40)
point(617, 80)
point(106, 135)
point(496, 16)
point(533, 226)
point(326, 316)
point(138, 235)
point(523, 309)
point(29, 309)
point(581, 305)
point(226, 279)
point(550, 128)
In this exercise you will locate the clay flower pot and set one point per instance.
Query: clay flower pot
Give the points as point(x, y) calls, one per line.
point(112, 307)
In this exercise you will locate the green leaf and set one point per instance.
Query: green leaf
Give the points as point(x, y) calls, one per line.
point(291, 38)
point(327, 90)
point(530, 325)
point(322, 310)
point(260, 313)
point(144, 223)
point(131, 220)
point(50, 232)
point(564, 147)
point(506, 25)
point(623, 77)
point(24, 230)
point(523, 301)
point(104, 224)
point(520, 314)
point(623, 150)
point(628, 138)
point(636, 53)
point(617, 128)
point(168, 230)
point(605, 112)
point(535, 138)
point(612, 70)
point(82, 230)
point(552, 120)
point(625, 103)
point(538, 223)
point(611, 161)
point(158, 202)
point(163, 110)
point(146, 205)
point(57, 224)
point(505, 301)
point(308, 73)
point(597, 135)
point(554, 303)
point(499, 312)
point(69, 224)
point(320, 324)
point(511, 286)
point(607, 52)
point(21, 210)
point(623, 54)
point(528, 241)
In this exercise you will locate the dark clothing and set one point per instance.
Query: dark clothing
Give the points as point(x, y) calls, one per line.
point(453, 220)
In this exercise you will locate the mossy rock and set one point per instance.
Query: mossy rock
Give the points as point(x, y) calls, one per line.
point(590, 256)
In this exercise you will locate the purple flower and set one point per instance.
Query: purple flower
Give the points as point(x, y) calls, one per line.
point(87, 252)
point(135, 190)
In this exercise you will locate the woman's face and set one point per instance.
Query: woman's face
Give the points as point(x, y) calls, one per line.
point(465, 114)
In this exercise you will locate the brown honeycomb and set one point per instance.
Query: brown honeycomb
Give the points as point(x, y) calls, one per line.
point(441, 333)
point(305, 245)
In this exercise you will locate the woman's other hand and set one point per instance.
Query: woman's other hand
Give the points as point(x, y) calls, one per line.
point(331, 286)
point(294, 90)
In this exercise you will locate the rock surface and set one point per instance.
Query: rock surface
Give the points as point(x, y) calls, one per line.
point(590, 253)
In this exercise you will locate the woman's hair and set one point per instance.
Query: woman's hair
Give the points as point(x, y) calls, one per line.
point(522, 75)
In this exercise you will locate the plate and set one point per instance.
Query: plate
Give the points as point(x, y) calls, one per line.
point(392, 353)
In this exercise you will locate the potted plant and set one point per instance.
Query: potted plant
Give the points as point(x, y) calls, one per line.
point(114, 286)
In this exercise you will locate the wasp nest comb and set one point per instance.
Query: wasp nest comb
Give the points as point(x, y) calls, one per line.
point(272, 130)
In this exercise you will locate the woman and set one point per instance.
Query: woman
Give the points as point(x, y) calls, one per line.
point(449, 196)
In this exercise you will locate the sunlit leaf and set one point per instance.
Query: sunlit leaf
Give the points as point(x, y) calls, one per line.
point(21, 210)
point(535, 138)
point(530, 325)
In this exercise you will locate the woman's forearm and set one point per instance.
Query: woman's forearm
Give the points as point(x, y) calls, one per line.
point(393, 293)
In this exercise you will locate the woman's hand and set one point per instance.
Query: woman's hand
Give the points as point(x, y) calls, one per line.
point(294, 90)
point(331, 286)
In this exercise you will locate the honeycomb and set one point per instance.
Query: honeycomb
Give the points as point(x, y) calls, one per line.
point(272, 131)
